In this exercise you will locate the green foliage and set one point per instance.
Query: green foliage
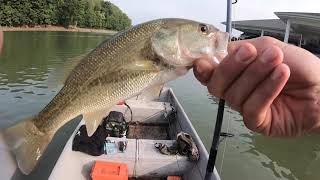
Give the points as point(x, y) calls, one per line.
point(115, 18)
point(81, 13)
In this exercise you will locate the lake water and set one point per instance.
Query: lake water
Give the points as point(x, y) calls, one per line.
point(29, 57)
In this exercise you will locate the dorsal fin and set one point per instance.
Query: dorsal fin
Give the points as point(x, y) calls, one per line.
point(151, 93)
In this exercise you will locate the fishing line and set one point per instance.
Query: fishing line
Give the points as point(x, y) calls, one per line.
point(225, 144)
point(226, 135)
point(219, 120)
point(234, 16)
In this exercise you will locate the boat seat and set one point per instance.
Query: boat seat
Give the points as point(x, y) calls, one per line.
point(145, 111)
point(151, 163)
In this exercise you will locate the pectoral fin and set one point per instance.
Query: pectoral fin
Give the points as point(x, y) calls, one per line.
point(141, 65)
point(151, 93)
point(93, 120)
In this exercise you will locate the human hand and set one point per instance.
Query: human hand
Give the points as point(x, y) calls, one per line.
point(275, 86)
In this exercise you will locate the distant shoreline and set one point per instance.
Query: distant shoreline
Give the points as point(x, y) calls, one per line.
point(55, 29)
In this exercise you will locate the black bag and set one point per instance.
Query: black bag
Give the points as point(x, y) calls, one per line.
point(115, 124)
point(90, 145)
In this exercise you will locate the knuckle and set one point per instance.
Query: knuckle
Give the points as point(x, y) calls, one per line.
point(253, 120)
point(248, 113)
point(215, 85)
point(233, 100)
point(253, 126)
point(247, 123)
point(234, 106)
point(214, 90)
point(247, 45)
point(268, 40)
point(252, 74)
point(199, 77)
point(232, 47)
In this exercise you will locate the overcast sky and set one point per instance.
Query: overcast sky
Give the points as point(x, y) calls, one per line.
point(211, 11)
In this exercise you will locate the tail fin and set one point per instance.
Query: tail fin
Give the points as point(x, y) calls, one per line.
point(27, 144)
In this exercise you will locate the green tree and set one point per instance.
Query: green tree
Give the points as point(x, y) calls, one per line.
point(114, 17)
point(82, 13)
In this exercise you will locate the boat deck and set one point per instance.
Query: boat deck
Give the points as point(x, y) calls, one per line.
point(143, 159)
point(150, 123)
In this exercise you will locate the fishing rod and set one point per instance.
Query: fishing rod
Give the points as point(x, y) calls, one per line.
point(219, 120)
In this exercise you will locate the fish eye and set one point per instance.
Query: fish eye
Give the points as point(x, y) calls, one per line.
point(203, 28)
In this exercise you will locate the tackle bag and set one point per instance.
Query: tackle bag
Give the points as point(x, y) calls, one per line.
point(90, 145)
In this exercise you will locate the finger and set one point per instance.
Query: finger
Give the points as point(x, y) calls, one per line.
point(231, 68)
point(256, 110)
point(203, 70)
point(262, 43)
point(256, 72)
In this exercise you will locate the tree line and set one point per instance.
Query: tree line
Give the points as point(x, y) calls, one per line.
point(79, 13)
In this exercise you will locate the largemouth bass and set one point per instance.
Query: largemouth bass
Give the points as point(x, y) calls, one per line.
point(135, 60)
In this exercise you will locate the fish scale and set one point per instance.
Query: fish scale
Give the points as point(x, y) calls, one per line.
point(113, 53)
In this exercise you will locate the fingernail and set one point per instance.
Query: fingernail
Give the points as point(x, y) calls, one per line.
point(268, 55)
point(243, 54)
point(277, 74)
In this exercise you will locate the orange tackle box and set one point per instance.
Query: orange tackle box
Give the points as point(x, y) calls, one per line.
point(109, 171)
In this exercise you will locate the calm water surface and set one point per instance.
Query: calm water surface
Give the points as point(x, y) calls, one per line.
point(29, 57)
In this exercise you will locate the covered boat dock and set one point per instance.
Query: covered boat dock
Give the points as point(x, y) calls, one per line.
point(301, 29)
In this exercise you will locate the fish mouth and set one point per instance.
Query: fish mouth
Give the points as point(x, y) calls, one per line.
point(219, 56)
point(222, 48)
point(216, 51)
point(219, 41)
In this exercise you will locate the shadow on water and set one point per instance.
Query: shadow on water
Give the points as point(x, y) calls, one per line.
point(25, 63)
